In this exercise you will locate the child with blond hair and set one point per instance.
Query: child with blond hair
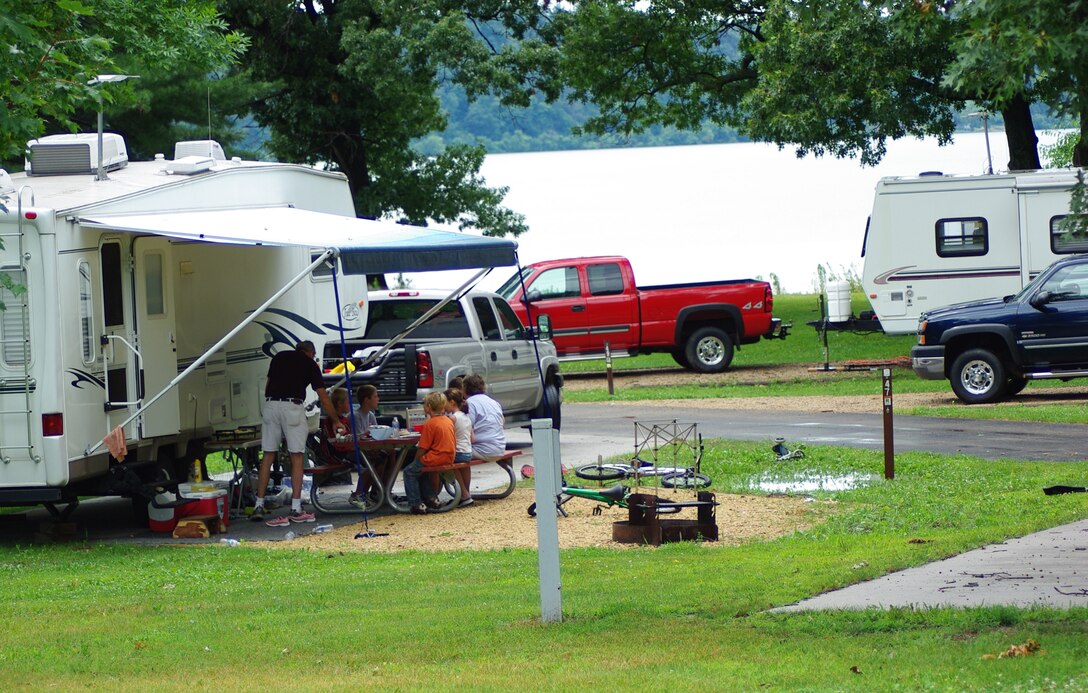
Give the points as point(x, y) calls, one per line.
point(437, 447)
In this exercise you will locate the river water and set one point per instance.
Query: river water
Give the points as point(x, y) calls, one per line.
point(708, 212)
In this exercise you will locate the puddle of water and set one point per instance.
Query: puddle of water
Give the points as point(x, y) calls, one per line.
point(809, 483)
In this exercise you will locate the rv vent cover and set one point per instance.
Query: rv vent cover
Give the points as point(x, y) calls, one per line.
point(188, 165)
point(6, 186)
point(74, 154)
point(208, 148)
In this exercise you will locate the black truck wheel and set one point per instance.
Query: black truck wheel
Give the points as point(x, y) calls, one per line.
point(1016, 385)
point(978, 377)
point(555, 412)
point(708, 350)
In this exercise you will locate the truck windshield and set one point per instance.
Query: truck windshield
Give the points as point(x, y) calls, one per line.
point(511, 285)
point(388, 318)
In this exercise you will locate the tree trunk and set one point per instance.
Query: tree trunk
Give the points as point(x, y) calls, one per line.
point(1020, 134)
point(1080, 149)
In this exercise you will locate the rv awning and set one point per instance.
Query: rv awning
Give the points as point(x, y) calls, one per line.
point(366, 246)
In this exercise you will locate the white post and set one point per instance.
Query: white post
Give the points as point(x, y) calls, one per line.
point(549, 482)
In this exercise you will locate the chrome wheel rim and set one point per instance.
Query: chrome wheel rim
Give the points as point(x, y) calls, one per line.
point(710, 351)
point(977, 377)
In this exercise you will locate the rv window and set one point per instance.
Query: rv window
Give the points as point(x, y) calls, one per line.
point(11, 322)
point(113, 299)
point(153, 284)
point(86, 312)
point(1062, 241)
point(322, 271)
point(962, 237)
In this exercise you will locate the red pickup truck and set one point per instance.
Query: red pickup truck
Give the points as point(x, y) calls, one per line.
point(593, 300)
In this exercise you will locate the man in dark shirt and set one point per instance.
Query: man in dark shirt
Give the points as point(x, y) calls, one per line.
point(284, 416)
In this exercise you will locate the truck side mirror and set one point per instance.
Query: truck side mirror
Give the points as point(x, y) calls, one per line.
point(1040, 299)
point(532, 295)
point(544, 327)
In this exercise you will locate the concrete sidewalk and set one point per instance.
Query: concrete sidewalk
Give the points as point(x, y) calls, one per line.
point(1048, 568)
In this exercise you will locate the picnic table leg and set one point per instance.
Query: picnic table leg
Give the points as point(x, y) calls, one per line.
point(398, 465)
point(507, 465)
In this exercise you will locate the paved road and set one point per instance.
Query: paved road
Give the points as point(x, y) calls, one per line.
point(613, 425)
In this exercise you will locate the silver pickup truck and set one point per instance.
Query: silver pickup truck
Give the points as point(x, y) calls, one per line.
point(475, 333)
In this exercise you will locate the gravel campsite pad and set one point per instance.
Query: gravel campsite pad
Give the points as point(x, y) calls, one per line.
point(501, 524)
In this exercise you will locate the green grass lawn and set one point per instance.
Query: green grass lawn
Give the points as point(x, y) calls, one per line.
point(679, 617)
point(804, 347)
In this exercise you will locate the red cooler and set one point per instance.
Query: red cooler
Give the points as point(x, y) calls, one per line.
point(208, 499)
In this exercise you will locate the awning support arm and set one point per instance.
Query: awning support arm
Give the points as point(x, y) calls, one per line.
point(329, 252)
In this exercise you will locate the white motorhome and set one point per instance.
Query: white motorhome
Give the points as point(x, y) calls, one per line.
point(933, 240)
point(155, 297)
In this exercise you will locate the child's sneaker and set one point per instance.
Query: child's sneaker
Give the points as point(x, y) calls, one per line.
point(280, 521)
point(357, 500)
point(301, 516)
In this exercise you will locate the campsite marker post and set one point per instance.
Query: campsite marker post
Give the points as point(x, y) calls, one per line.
point(608, 367)
point(549, 480)
point(889, 433)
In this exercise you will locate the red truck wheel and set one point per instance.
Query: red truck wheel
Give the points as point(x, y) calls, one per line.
point(709, 350)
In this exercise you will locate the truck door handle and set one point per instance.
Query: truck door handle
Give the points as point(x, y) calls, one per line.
point(494, 356)
point(577, 309)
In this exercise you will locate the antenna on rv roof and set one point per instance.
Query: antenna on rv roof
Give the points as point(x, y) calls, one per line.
point(986, 129)
point(210, 145)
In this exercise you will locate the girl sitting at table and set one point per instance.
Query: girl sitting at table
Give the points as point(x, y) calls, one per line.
point(455, 404)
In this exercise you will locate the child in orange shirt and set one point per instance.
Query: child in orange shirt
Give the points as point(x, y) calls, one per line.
point(436, 447)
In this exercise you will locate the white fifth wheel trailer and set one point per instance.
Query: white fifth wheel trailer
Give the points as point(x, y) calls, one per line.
point(934, 240)
point(155, 298)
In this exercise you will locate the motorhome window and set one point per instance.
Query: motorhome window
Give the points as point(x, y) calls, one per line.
point(86, 312)
point(1062, 240)
point(488, 323)
point(962, 237)
point(113, 299)
point(324, 270)
point(511, 326)
point(387, 319)
point(604, 280)
point(560, 282)
point(16, 349)
point(154, 293)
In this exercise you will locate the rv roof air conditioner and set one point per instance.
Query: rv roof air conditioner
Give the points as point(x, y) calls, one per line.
point(188, 165)
point(206, 148)
point(74, 154)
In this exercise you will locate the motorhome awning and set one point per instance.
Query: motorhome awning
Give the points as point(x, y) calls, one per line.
point(366, 246)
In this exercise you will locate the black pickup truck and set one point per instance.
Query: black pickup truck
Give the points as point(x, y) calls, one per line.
point(990, 349)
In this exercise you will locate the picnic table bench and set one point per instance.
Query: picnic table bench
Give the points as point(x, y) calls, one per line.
point(445, 473)
point(507, 464)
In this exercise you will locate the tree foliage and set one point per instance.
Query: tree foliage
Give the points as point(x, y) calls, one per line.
point(352, 83)
point(831, 76)
point(50, 50)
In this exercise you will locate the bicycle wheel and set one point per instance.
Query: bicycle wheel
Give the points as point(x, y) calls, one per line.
point(685, 480)
point(601, 472)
